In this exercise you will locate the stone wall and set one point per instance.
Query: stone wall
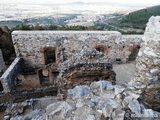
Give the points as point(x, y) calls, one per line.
point(31, 45)
point(85, 67)
point(138, 99)
point(147, 77)
point(8, 79)
point(2, 64)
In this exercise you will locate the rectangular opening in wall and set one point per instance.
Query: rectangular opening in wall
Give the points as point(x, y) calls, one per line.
point(1, 87)
point(55, 74)
point(44, 77)
point(50, 56)
point(100, 49)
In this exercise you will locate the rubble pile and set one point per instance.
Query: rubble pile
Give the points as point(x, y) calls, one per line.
point(99, 101)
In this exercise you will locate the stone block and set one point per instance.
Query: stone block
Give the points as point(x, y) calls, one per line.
point(135, 107)
point(118, 114)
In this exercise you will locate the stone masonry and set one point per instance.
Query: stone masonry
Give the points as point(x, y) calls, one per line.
point(138, 99)
point(147, 77)
point(8, 79)
point(85, 67)
point(31, 45)
point(37, 47)
point(2, 64)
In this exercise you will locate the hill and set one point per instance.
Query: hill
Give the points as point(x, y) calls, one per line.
point(138, 19)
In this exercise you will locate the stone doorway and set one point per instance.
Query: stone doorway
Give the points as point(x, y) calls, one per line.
point(44, 77)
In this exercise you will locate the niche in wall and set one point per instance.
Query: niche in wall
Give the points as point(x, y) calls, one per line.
point(100, 49)
point(44, 77)
point(134, 53)
point(50, 56)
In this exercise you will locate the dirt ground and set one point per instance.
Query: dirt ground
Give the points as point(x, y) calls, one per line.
point(124, 72)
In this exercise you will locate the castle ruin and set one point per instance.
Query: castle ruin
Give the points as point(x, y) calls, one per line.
point(40, 52)
point(81, 61)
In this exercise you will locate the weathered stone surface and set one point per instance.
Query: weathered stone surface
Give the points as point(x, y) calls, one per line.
point(9, 77)
point(2, 64)
point(118, 89)
point(30, 44)
point(108, 107)
point(65, 45)
point(154, 71)
point(148, 65)
point(103, 100)
point(107, 110)
point(78, 92)
point(85, 103)
point(127, 100)
point(132, 94)
point(151, 97)
point(86, 113)
point(118, 114)
point(34, 115)
point(135, 107)
point(84, 67)
point(58, 111)
point(33, 108)
point(7, 117)
point(16, 109)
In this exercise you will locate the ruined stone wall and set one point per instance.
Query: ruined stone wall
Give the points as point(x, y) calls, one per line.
point(32, 47)
point(10, 75)
point(85, 67)
point(147, 77)
point(32, 44)
point(138, 99)
point(2, 64)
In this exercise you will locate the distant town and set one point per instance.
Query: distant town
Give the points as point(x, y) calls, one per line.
point(84, 13)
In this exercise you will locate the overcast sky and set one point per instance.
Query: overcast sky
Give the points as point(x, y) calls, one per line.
point(141, 2)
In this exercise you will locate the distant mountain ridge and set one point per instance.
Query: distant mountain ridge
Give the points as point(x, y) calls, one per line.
point(20, 12)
